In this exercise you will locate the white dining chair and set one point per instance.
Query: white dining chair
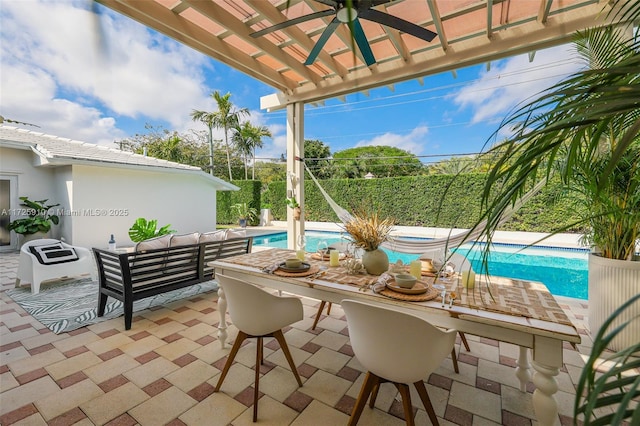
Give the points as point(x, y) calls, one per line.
point(395, 347)
point(258, 314)
point(460, 261)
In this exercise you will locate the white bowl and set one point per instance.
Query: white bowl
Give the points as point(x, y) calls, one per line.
point(405, 280)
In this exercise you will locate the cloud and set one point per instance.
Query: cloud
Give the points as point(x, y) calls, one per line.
point(515, 80)
point(78, 77)
point(276, 145)
point(414, 142)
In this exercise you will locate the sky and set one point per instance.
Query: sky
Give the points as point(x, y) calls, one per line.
point(102, 82)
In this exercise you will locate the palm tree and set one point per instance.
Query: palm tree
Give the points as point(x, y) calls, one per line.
point(256, 142)
point(247, 138)
point(242, 140)
point(226, 117)
point(208, 119)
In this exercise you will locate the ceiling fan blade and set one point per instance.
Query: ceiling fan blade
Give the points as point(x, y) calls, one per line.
point(363, 43)
point(366, 4)
point(331, 3)
point(322, 40)
point(293, 21)
point(397, 23)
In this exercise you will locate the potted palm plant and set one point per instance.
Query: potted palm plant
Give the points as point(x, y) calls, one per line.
point(38, 221)
point(586, 129)
point(244, 213)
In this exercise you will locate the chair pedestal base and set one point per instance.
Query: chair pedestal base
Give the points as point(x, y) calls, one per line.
point(372, 384)
point(242, 336)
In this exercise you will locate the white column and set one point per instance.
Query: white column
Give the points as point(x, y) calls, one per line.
point(295, 169)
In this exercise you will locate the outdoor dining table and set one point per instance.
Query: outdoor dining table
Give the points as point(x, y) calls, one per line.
point(520, 312)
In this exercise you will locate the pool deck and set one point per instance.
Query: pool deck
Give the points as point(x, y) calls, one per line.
point(506, 237)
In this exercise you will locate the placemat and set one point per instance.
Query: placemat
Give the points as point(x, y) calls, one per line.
point(316, 256)
point(510, 296)
point(431, 294)
point(312, 270)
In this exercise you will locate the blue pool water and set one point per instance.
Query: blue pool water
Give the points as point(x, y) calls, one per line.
point(563, 271)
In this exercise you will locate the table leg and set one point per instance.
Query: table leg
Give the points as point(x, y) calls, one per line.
point(222, 311)
point(523, 372)
point(544, 402)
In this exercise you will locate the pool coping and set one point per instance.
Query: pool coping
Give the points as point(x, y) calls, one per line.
point(563, 240)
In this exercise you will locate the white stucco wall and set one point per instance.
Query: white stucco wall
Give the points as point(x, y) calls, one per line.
point(108, 200)
point(97, 201)
point(37, 183)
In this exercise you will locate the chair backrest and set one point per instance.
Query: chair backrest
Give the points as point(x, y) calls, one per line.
point(347, 247)
point(461, 262)
point(395, 345)
point(255, 311)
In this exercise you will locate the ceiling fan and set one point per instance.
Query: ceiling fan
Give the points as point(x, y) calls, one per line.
point(352, 13)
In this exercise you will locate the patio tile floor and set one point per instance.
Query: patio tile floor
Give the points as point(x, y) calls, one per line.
point(164, 369)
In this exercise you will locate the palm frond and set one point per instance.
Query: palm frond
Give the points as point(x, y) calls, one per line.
point(617, 386)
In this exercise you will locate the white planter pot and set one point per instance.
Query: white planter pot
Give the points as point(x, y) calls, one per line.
point(611, 283)
point(265, 217)
point(23, 239)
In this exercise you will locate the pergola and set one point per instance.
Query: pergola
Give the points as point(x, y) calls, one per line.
point(469, 32)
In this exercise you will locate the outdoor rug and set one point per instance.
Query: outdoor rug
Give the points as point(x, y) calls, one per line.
point(73, 303)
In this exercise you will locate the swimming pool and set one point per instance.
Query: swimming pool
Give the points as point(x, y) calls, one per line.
point(563, 271)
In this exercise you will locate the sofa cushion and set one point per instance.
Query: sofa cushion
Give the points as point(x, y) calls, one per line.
point(184, 239)
point(235, 233)
point(154, 243)
point(208, 237)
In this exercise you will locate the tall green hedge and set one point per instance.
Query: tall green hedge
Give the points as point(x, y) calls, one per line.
point(249, 193)
point(421, 201)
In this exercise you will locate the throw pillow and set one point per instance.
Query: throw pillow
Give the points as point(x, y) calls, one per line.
point(52, 254)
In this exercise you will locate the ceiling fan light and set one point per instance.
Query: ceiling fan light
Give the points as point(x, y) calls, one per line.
point(345, 12)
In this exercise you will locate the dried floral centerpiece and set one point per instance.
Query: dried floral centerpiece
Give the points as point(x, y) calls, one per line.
point(368, 231)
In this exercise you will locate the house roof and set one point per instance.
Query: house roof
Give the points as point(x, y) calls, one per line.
point(468, 32)
point(56, 151)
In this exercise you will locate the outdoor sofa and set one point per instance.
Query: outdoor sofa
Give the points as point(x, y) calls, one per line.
point(162, 264)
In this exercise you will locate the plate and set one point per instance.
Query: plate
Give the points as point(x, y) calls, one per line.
point(302, 268)
point(420, 287)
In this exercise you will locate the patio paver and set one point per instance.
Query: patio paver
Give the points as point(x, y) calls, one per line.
point(164, 369)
